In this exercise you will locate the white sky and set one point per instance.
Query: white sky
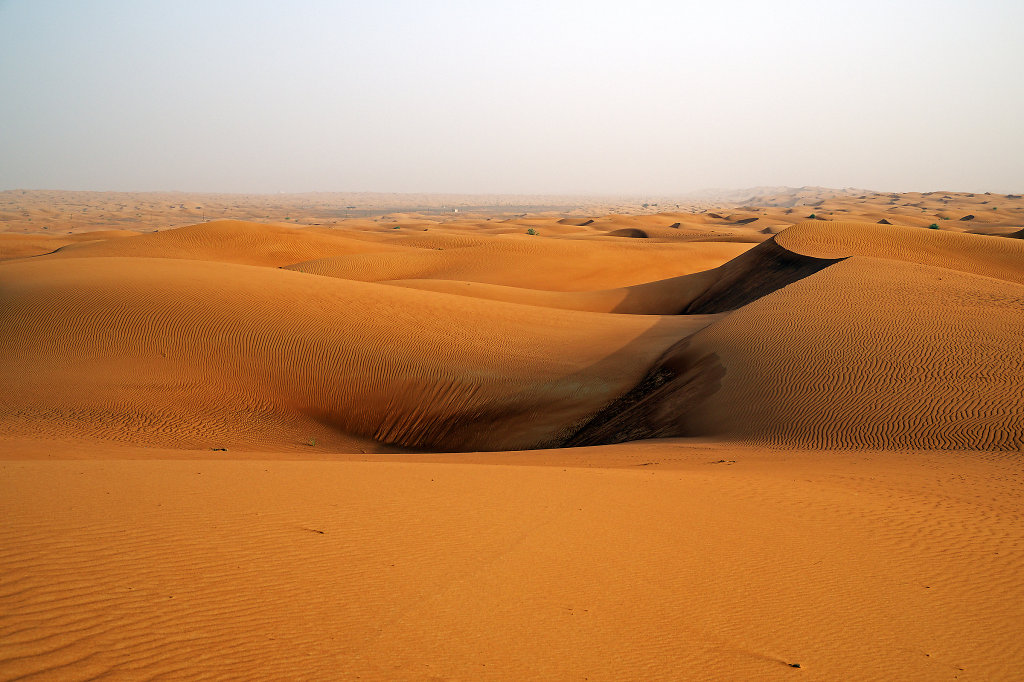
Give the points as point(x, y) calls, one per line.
point(520, 97)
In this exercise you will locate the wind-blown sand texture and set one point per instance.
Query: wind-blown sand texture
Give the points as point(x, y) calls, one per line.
point(417, 445)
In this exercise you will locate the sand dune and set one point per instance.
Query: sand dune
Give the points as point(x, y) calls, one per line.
point(833, 489)
point(22, 246)
point(226, 241)
point(849, 358)
point(212, 349)
point(951, 250)
point(836, 350)
point(661, 297)
point(521, 261)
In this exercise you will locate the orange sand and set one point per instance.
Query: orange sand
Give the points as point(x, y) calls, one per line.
point(250, 449)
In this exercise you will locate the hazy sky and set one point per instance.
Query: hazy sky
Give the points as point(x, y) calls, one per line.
point(520, 97)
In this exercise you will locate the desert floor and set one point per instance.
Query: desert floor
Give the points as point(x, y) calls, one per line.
point(772, 436)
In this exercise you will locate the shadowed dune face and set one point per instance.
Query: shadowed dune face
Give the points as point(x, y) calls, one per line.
point(406, 332)
point(631, 232)
point(762, 270)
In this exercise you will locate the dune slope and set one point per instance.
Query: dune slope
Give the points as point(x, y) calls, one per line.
point(532, 263)
point(193, 353)
point(228, 241)
point(869, 351)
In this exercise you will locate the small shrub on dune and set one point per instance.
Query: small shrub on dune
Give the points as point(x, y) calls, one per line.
point(933, 226)
point(532, 231)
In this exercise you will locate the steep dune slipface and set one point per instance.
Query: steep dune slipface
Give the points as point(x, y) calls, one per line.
point(197, 354)
point(758, 272)
point(876, 349)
